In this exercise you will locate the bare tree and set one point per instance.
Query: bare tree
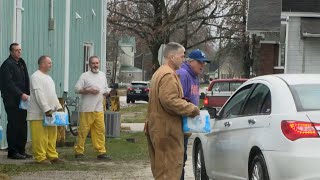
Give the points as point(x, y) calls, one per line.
point(235, 26)
point(156, 21)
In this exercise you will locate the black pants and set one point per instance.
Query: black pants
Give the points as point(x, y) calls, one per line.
point(186, 138)
point(16, 130)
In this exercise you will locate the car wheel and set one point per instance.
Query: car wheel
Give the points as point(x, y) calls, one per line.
point(200, 168)
point(128, 100)
point(258, 169)
point(132, 101)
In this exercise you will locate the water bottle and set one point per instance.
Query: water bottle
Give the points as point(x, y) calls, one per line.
point(204, 114)
point(205, 117)
point(196, 118)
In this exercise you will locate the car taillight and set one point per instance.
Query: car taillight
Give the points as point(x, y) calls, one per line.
point(206, 101)
point(294, 130)
point(130, 89)
point(147, 89)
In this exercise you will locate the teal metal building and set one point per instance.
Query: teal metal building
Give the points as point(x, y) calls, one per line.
point(69, 31)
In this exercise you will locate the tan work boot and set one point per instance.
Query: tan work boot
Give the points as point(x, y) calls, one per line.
point(104, 157)
point(45, 161)
point(57, 161)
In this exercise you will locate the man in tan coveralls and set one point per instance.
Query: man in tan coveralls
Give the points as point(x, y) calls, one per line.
point(165, 110)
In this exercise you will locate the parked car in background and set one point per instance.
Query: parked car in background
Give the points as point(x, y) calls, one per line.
point(219, 91)
point(138, 90)
point(268, 129)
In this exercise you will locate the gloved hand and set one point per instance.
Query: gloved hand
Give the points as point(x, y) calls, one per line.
point(187, 99)
point(60, 110)
point(195, 112)
point(49, 113)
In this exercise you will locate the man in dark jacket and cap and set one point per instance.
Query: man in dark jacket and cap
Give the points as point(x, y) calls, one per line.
point(14, 84)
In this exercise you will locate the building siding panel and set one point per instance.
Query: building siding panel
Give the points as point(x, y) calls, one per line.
point(38, 40)
point(87, 29)
point(6, 10)
point(295, 47)
point(312, 54)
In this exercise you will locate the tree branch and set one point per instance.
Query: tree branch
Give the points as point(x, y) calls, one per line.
point(141, 33)
point(209, 39)
point(129, 19)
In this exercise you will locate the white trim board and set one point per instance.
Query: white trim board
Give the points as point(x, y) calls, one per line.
point(67, 46)
point(278, 67)
point(287, 46)
point(300, 14)
point(269, 42)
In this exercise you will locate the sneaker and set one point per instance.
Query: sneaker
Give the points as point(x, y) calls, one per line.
point(46, 161)
point(16, 156)
point(57, 161)
point(79, 156)
point(27, 155)
point(104, 157)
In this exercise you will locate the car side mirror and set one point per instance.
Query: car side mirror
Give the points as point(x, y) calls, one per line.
point(212, 112)
point(202, 95)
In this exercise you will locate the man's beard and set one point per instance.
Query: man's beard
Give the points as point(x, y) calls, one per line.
point(95, 70)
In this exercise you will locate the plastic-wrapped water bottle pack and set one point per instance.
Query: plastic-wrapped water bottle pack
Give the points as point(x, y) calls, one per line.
point(197, 124)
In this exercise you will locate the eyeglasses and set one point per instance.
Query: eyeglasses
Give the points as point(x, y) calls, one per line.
point(202, 63)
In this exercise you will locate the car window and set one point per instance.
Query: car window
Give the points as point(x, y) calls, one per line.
point(139, 85)
point(234, 85)
point(306, 96)
point(220, 86)
point(256, 100)
point(233, 107)
point(266, 107)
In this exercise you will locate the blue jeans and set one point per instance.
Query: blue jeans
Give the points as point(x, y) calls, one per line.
point(185, 155)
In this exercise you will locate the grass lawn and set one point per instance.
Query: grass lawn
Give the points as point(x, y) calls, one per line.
point(138, 112)
point(134, 114)
point(200, 103)
point(118, 148)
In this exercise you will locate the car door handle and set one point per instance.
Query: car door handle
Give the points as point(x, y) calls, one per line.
point(227, 124)
point(252, 121)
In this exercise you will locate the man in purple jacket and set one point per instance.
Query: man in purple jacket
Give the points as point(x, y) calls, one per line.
point(189, 72)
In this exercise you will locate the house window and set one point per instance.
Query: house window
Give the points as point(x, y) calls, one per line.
point(87, 52)
point(282, 54)
point(282, 45)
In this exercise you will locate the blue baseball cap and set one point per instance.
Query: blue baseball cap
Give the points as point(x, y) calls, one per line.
point(198, 55)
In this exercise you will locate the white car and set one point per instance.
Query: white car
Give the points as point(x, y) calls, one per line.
point(268, 129)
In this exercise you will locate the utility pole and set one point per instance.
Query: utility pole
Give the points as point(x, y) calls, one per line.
point(186, 25)
point(219, 54)
point(245, 44)
point(142, 61)
point(115, 61)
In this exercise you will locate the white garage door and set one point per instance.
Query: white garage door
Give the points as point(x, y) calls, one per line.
point(312, 55)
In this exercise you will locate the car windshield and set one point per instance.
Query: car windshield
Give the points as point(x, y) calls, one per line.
point(306, 96)
point(136, 85)
point(226, 86)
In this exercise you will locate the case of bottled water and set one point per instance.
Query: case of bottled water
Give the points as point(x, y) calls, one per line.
point(198, 124)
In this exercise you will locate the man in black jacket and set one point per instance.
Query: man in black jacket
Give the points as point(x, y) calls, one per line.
point(14, 84)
